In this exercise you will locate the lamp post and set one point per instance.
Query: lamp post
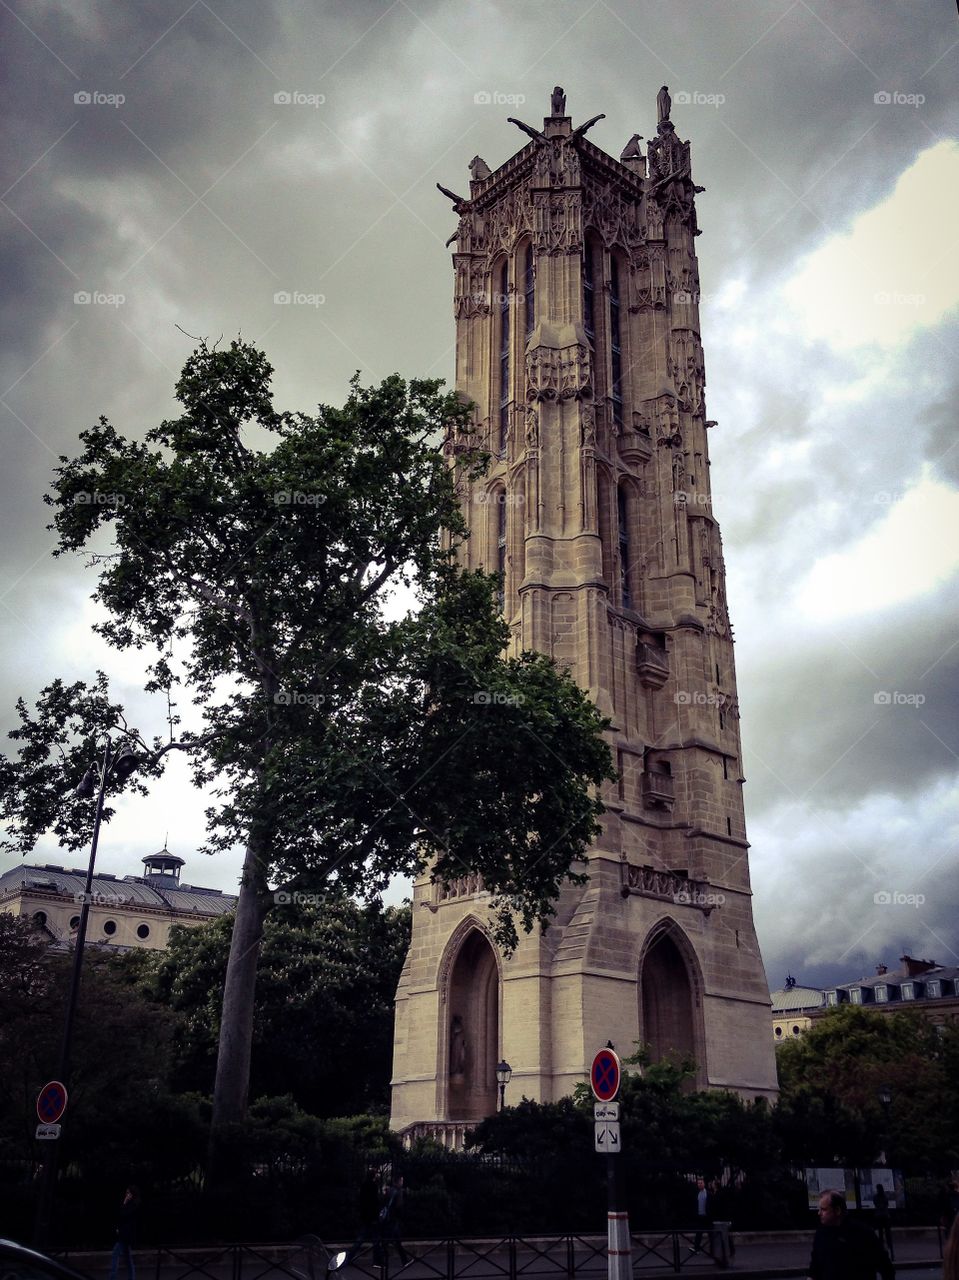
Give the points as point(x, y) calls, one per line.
point(503, 1073)
point(884, 1095)
point(119, 764)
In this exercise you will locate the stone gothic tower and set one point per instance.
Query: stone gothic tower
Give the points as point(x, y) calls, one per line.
point(577, 338)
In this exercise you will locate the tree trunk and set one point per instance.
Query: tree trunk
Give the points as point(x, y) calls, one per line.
point(230, 1092)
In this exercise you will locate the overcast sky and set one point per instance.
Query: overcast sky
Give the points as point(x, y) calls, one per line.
point(150, 167)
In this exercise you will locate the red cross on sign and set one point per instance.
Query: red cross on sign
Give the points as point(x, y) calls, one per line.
point(604, 1075)
point(51, 1102)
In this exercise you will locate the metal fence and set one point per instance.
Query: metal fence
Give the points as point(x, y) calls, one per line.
point(505, 1258)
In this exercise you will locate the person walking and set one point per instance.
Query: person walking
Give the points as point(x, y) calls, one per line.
point(390, 1221)
point(704, 1217)
point(126, 1233)
point(843, 1249)
point(880, 1202)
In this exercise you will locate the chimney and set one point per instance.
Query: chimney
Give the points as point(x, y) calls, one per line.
point(913, 968)
point(881, 969)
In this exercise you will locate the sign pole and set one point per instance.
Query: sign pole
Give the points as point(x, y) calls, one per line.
point(604, 1078)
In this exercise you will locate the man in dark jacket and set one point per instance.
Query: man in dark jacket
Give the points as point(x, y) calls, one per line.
point(845, 1250)
point(126, 1234)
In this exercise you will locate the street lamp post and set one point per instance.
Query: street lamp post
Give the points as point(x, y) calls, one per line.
point(885, 1101)
point(503, 1073)
point(120, 765)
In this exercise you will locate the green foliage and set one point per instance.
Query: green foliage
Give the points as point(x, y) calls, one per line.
point(830, 1077)
point(323, 1020)
point(249, 553)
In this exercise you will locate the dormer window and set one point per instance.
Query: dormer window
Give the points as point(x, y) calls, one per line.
point(855, 995)
point(908, 990)
point(832, 998)
point(934, 988)
point(882, 994)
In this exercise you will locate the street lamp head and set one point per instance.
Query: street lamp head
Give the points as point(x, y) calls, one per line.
point(503, 1072)
point(126, 762)
point(885, 1094)
point(88, 785)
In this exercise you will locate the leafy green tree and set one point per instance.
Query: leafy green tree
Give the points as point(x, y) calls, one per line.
point(250, 552)
point(830, 1079)
point(323, 1018)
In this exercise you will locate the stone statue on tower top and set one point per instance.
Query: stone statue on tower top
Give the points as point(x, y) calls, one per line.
point(663, 104)
point(558, 102)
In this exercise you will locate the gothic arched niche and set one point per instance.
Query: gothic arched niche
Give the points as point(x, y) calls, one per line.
point(668, 1002)
point(472, 1028)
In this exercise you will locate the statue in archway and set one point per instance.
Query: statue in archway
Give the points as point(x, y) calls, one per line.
point(457, 1048)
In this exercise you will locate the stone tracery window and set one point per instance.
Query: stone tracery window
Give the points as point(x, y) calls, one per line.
point(504, 360)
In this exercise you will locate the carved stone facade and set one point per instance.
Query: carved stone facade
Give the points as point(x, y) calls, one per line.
point(577, 338)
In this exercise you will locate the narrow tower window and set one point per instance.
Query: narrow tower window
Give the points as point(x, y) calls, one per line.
point(615, 347)
point(530, 291)
point(589, 312)
point(503, 358)
point(623, 551)
point(501, 544)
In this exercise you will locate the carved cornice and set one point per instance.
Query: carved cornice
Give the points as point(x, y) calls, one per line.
point(668, 886)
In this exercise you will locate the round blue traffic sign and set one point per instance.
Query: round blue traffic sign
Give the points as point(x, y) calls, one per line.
point(604, 1075)
point(51, 1102)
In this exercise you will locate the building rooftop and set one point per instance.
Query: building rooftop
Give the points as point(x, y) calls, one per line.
point(158, 892)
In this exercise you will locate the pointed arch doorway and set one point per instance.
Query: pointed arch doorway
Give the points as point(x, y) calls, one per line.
point(472, 1030)
point(669, 1000)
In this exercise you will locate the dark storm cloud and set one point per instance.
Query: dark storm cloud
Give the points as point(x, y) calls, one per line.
point(199, 198)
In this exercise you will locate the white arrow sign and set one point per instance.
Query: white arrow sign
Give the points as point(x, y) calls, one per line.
point(606, 1136)
point(605, 1111)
